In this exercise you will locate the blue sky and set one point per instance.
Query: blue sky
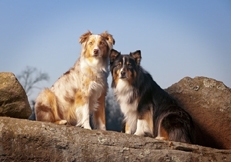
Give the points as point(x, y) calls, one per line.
point(176, 38)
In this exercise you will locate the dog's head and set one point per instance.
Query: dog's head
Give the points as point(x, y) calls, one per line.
point(124, 67)
point(96, 47)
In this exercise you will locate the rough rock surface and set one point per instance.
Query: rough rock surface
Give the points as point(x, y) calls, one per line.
point(209, 103)
point(24, 140)
point(13, 99)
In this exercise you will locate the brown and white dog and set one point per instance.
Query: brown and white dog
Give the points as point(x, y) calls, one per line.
point(147, 108)
point(82, 89)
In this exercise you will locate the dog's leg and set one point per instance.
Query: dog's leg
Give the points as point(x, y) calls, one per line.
point(131, 122)
point(162, 134)
point(175, 127)
point(46, 108)
point(99, 114)
point(127, 129)
point(86, 117)
point(141, 126)
point(81, 111)
point(145, 124)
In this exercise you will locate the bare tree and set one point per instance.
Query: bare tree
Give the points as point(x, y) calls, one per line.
point(30, 77)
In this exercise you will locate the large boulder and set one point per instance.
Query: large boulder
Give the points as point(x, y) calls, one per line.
point(13, 99)
point(24, 140)
point(209, 103)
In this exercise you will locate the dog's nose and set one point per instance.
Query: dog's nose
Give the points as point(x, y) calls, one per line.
point(96, 51)
point(123, 73)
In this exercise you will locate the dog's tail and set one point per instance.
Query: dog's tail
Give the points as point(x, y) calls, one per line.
point(175, 126)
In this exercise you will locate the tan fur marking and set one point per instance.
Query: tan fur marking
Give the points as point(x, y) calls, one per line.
point(69, 99)
point(103, 46)
point(127, 128)
point(86, 84)
point(89, 71)
point(163, 134)
point(71, 117)
point(108, 37)
point(80, 100)
point(116, 76)
point(42, 111)
point(84, 37)
point(130, 78)
point(49, 106)
point(148, 117)
point(100, 112)
point(87, 54)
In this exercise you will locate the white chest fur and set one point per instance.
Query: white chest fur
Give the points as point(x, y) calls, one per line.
point(124, 93)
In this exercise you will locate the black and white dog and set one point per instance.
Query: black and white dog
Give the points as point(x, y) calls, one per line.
point(147, 108)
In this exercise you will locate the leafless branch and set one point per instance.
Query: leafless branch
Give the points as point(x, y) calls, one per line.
point(30, 77)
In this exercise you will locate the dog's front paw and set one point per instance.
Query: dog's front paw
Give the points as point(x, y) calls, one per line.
point(61, 122)
point(102, 127)
point(139, 133)
point(86, 126)
point(160, 138)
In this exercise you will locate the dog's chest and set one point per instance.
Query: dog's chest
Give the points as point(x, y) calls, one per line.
point(128, 108)
point(93, 82)
point(125, 96)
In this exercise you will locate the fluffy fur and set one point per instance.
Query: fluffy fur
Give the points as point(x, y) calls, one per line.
point(147, 108)
point(82, 89)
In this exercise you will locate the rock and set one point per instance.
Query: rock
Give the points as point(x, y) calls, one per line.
point(209, 103)
point(24, 140)
point(13, 99)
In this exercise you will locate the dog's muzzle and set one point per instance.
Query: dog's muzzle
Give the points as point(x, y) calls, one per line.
point(96, 52)
point(123, 74)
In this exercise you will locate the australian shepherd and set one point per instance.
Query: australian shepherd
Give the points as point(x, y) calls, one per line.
point(147, 108)
point(82, 89)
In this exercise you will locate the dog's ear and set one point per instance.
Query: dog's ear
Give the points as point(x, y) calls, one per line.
point(113, 55)
point(110, 40)
point(137, 56)
point(84, 37)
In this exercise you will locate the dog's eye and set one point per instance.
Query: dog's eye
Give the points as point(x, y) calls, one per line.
point(101, 43)
point(118, 65)
point(129, 65)
point(90, 43)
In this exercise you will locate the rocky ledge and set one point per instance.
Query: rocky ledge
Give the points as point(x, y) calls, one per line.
point(24, 140)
